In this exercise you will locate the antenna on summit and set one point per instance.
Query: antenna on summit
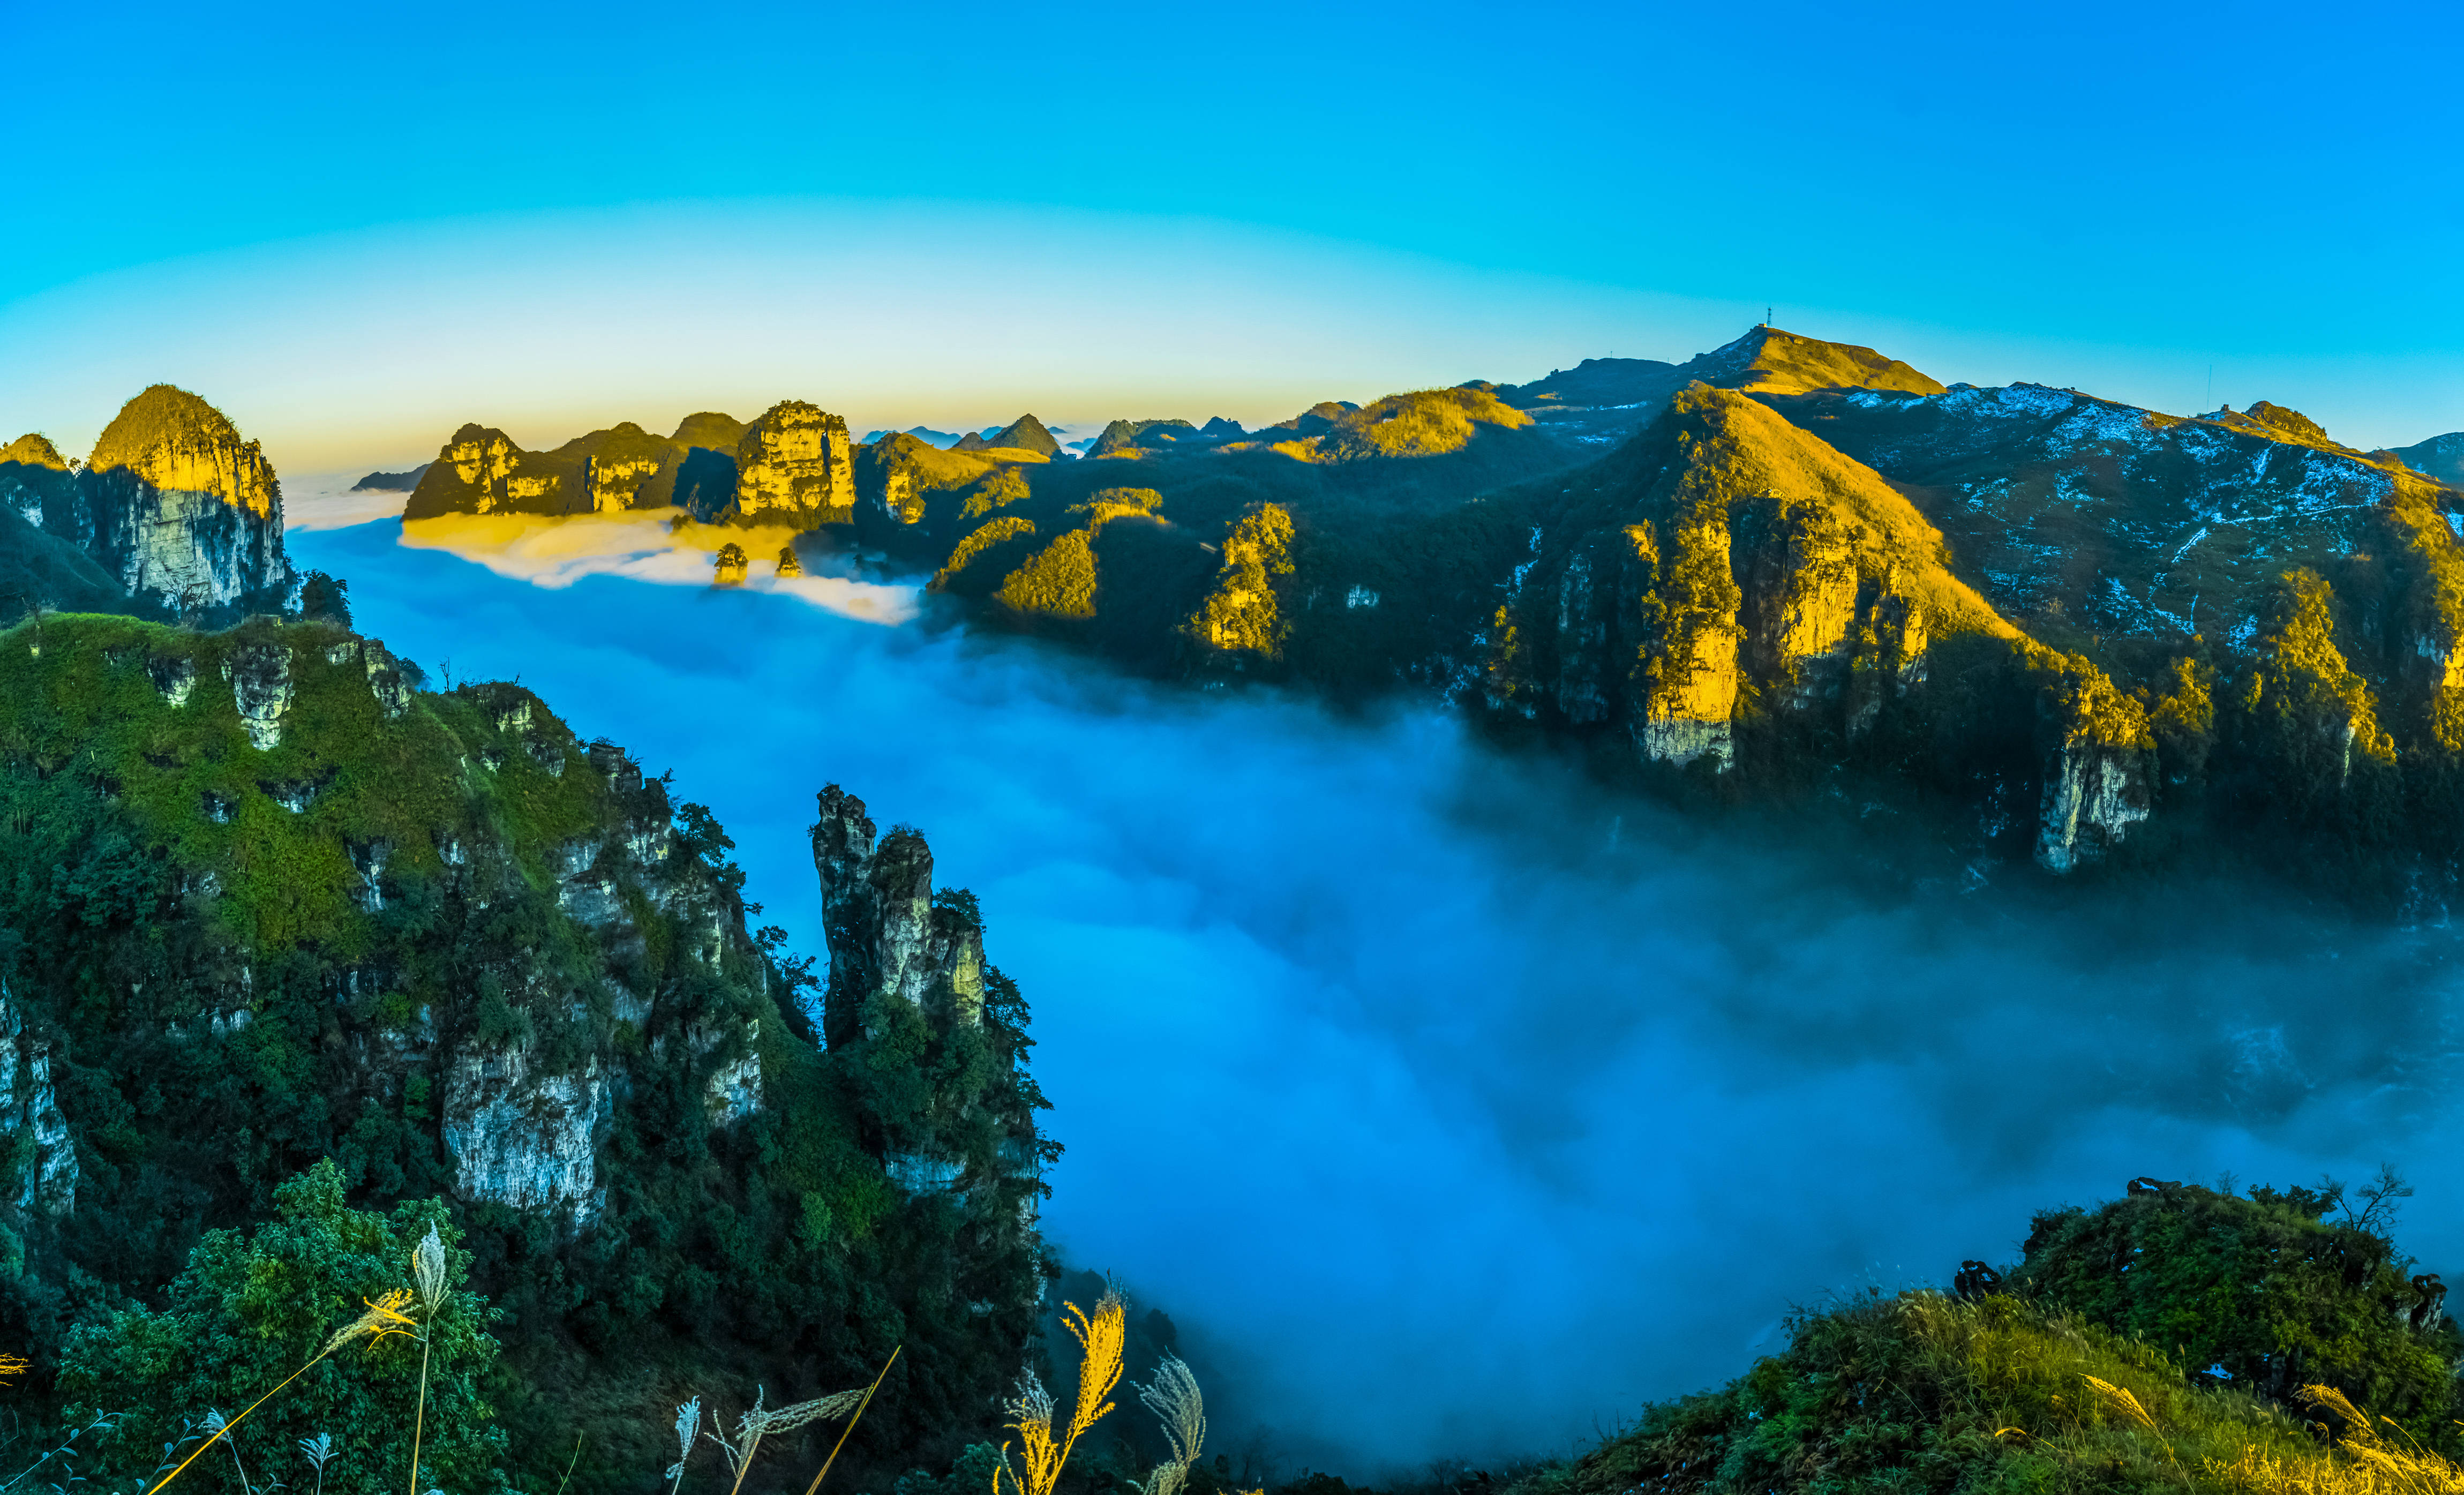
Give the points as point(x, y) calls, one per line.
point(1766, 316)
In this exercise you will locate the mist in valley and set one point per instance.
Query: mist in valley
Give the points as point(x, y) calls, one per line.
point(1449, 1105)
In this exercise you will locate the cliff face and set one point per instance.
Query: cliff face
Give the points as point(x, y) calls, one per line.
point(793, 466)
point(439, 940)
point(174, 507)
point(182, 509)
point(888, 941)
point(908, 973)
point(796, 465)
point(1730, 593)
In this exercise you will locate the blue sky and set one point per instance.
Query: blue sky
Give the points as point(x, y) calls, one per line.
point(2099, 195)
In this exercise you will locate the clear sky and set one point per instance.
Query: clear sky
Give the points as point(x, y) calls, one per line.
point(349, 224)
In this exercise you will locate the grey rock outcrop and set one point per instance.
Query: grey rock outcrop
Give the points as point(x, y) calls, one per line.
point(178, 507)
point(888, 938)
point(2094, 793)
point(529, 1141)
point(260, 677)
point(29, 1115)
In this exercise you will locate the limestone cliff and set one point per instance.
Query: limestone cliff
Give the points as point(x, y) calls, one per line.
point(899, 470)
point(39, 1148)
point(908, 975)
point(174, 505)
point(889, 942)
point(483, 470)
point(529, 1080)
point(1728, 577)
point(795, 464)
point(31, 471)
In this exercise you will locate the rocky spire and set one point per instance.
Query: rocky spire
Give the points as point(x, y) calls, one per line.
point(888, 938)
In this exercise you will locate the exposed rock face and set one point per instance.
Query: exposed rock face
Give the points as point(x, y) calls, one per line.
point(528, 1141)
point(29, 1116)
point(31, 471)
point(178, 507)
point(1738, 553)
point(260, 677)
point(796, 465)
point(175, 676)
point(908, 974)
point(734, 1090)
point(502, 953)
point(1727, 558)
point(482, 470)
point(2094, 793)
point(887, 937)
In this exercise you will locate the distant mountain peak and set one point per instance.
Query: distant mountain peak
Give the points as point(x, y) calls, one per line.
point(1769, 361)
point(2265, 419)
point(34, 449)
point(1026, 433)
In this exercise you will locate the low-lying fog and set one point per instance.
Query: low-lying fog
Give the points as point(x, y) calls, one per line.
point(1448, 1107)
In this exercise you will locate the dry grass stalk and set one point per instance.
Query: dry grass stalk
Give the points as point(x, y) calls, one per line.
point(427, 1271)
point(757, 1424)
point(2121, 1404)
point(379, 1318)
point(1101, 1339)
point(687, 1427)
point(1174, 1397)
point(849, 1431)
point(2371, 1465)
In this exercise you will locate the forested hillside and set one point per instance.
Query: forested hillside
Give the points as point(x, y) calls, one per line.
point(276, 918)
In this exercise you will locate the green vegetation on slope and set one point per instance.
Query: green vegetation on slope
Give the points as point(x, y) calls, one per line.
point(163, 415)
point(340, 928)
point(1243, 616)
point(2179, 1338)
point(252, 1308)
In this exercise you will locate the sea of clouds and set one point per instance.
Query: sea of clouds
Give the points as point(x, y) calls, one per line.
point(1451, 1106)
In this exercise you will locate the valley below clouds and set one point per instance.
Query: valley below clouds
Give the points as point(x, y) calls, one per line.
point(1446, 1100)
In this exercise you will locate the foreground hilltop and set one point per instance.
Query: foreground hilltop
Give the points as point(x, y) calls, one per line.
point(173, 511)
point(2178, 1338)
point(269, 900)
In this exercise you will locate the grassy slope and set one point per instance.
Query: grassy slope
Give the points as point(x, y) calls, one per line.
point(2210, 1316)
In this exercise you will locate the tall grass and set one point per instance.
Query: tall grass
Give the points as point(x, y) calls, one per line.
point(759, 1422)
point(1174, 1397)
point(428, 1275)
point(1044, 1453)
point(2365, 1460)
